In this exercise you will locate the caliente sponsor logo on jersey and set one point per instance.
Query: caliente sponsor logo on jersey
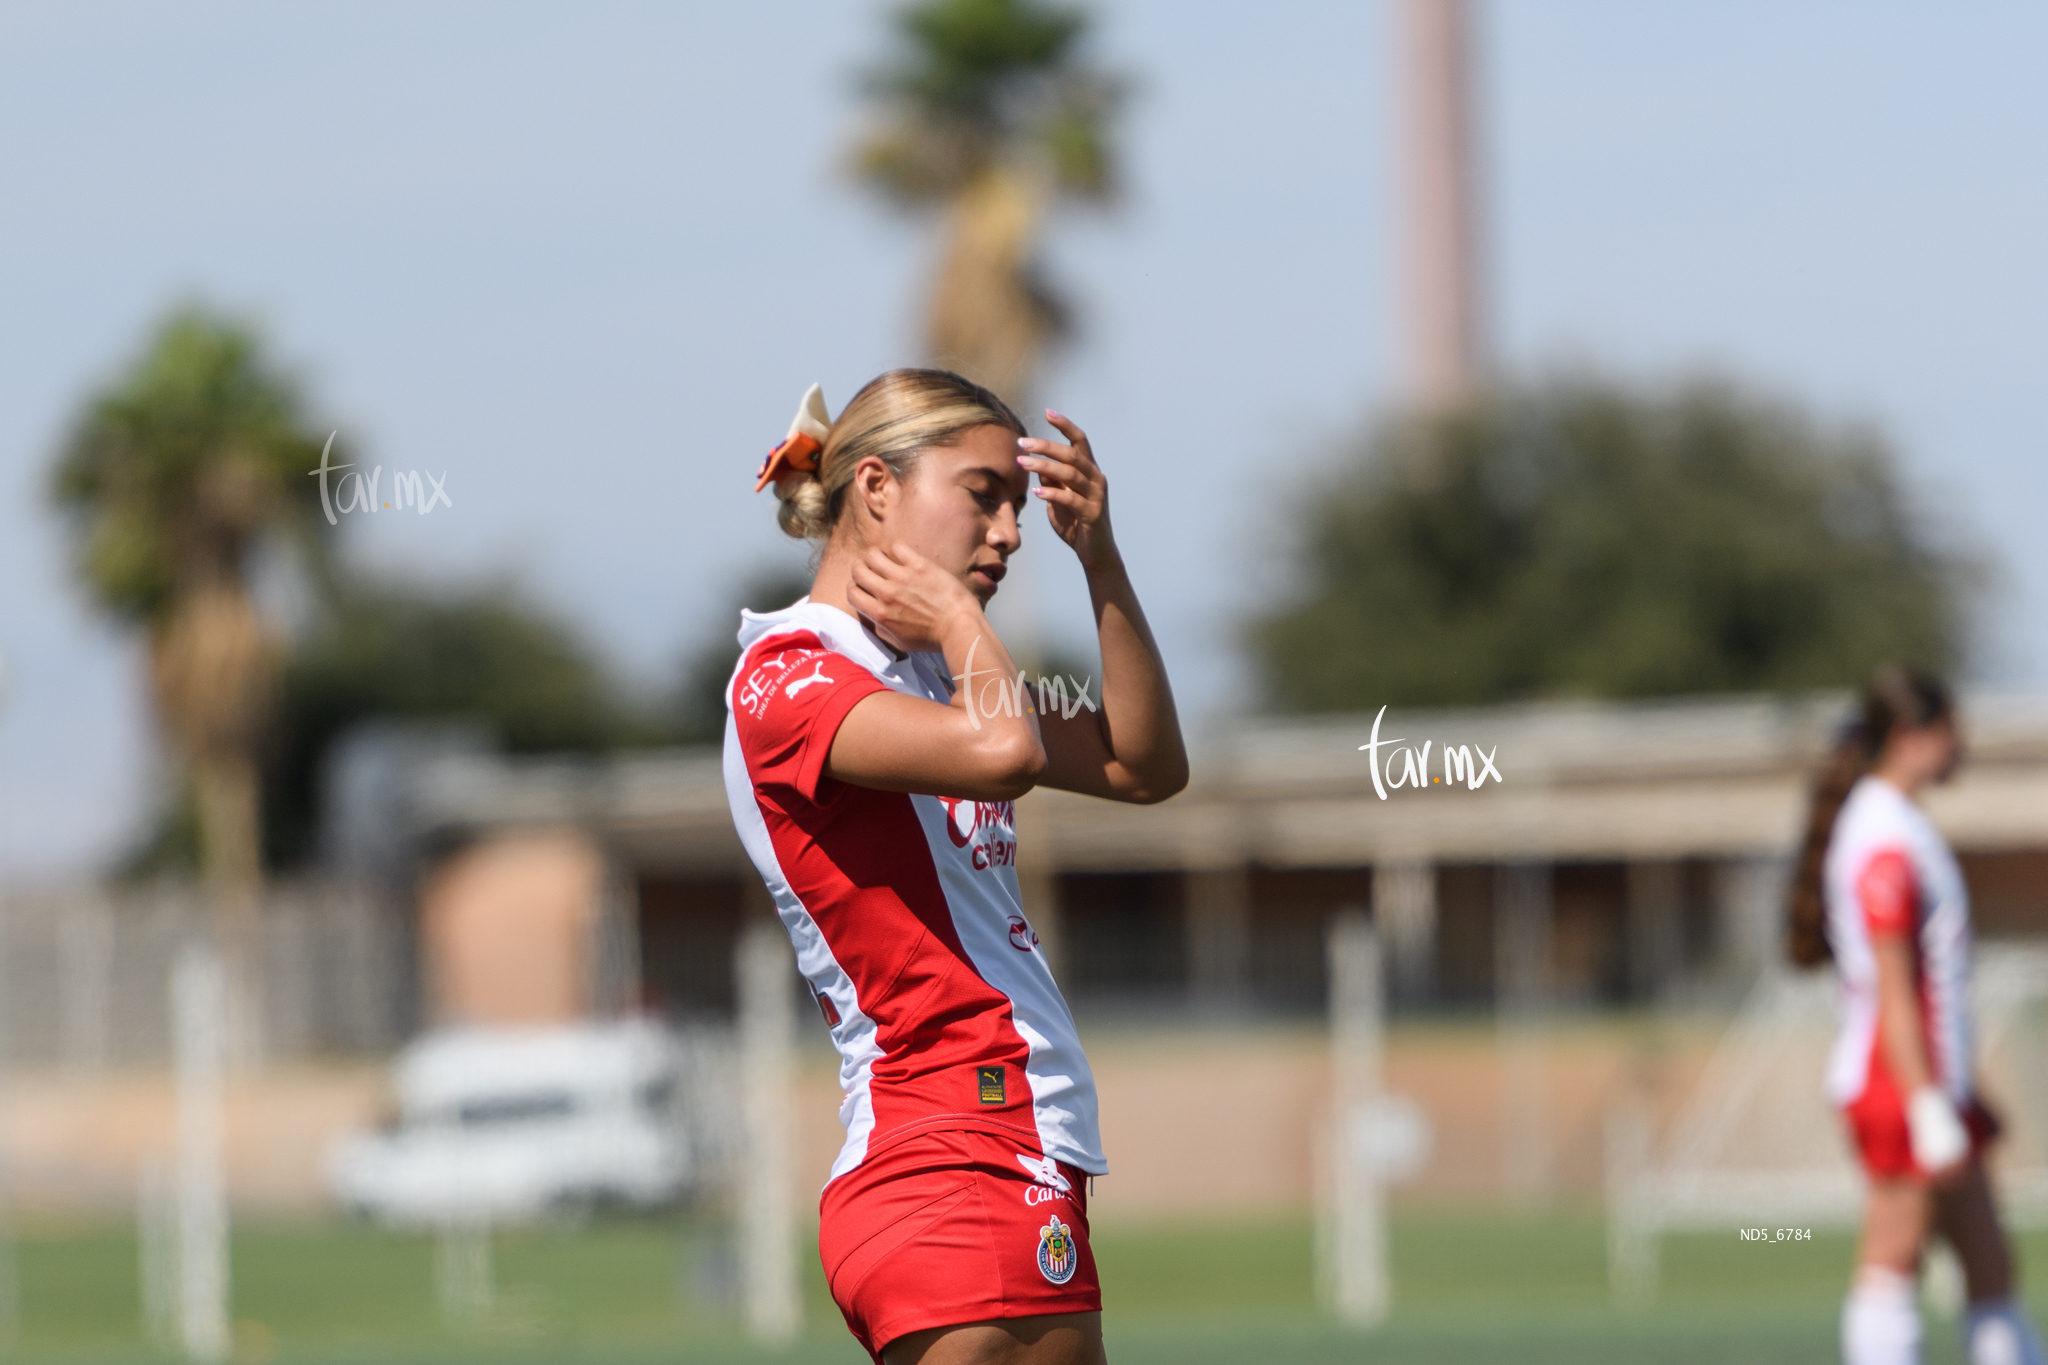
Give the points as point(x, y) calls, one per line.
point(966, 822)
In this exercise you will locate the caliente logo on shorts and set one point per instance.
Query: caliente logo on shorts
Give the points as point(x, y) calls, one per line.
point(1058, 1258)
point(1047, 1182)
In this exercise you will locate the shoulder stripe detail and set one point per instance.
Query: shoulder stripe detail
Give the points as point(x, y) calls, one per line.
point(1887, 891)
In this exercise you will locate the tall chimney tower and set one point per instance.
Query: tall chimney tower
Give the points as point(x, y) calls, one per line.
point(1442, 355)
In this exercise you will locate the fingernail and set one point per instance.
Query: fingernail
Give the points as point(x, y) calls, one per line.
point(1056, 416)
point(1024, 442)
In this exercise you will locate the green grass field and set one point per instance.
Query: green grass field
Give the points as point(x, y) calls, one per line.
point(1475, 1287)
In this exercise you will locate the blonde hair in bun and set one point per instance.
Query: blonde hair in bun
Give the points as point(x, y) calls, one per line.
point(896, 417)
point(800, 505)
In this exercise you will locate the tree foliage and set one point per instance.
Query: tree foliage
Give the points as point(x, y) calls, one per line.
point(977, 85)
point(386, 651)
point(173, 472)
point(1578, 538)
point(171, 477)
point(986, 111)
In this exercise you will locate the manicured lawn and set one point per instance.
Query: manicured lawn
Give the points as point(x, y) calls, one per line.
point(1477, 1286)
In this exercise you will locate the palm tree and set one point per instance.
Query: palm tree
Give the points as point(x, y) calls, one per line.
point(172, 476)
point(987, 115)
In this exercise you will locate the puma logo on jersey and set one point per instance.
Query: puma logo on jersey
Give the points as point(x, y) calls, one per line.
point(816, 676)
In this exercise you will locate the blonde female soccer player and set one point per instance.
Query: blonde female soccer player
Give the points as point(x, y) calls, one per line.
point(1880, 893)
point(876, 744)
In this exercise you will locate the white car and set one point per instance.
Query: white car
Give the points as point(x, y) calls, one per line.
point(508, 1124)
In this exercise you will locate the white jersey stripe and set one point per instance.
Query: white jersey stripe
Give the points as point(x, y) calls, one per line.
point(854, 1034)
point(986, 905)
point(1875, 817)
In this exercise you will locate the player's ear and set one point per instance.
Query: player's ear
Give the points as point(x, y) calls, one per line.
point(875, 486)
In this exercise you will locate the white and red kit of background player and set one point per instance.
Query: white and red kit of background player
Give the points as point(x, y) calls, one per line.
point(969, 1108)
point(1889, 871)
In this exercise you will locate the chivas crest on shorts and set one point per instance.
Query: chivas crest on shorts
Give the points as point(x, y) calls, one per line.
point(1058, 1258)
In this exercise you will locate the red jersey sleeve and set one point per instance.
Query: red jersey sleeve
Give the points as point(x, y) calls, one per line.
point(788, 698)
point(1888, 893)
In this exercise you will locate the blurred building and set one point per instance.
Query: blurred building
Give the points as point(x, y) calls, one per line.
point(1626, 854)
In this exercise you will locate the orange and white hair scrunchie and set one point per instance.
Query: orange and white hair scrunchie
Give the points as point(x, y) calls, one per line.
point(799, 450)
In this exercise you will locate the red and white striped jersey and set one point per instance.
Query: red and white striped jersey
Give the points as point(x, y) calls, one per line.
point(1889, 871)
point(904, 909)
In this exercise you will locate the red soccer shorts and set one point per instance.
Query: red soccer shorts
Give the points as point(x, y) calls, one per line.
point(955, 1226)
point(1877, 1127)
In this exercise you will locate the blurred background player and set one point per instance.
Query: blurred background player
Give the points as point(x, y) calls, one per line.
point(1881, 894)
point(879, 736)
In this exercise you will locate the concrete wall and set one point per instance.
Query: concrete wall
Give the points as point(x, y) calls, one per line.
point(1193, 1122)
point(1201, 1122)
point(508, 929)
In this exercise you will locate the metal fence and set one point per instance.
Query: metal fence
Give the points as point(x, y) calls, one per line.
point(85, 975)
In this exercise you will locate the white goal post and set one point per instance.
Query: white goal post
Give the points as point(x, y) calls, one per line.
point(1757, 1145)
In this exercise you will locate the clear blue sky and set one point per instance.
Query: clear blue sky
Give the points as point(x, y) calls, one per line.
point(584, 259)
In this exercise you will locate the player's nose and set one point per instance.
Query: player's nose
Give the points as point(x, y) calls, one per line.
point(1005, 534)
